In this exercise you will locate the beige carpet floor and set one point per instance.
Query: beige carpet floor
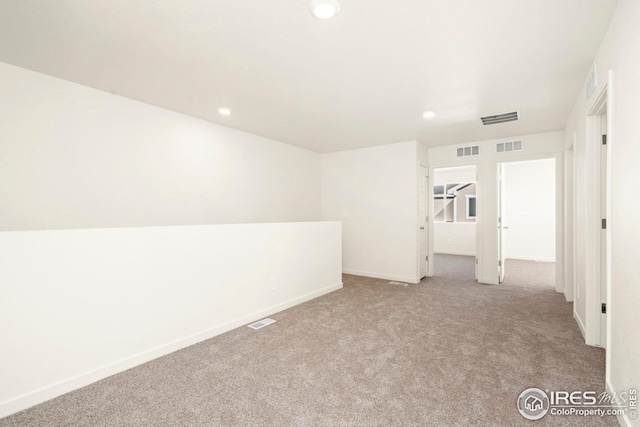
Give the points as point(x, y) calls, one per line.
point(445, 352)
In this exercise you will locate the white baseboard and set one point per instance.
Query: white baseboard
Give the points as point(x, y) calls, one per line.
point(405, 279)
point(531, 259)
point(488, 280)
point(455, 253)
point(583, 330)
point(59, 388)
point(623, 419)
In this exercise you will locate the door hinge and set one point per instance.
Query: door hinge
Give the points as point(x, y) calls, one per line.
point(604, 139)
point(604, 223)
point(426, 258)
point(604, 308)
point(499, 263)
point(476, 261)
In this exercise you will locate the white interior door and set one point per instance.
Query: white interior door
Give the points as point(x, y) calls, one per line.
point(501, 233)
point(529, 226)
point(603, 231)
point(423, 220)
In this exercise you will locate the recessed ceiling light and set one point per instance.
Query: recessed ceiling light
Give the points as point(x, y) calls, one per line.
point(429, 114)
point(325, 9)
point(224, 111)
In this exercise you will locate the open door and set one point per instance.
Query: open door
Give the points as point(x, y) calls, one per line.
point(598, 213)
point(501, 238)
point(603, 232)
point(422, 221)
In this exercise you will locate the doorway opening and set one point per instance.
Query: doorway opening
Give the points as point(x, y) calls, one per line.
point(423, 217)
point(454, 222)
point(527, 222)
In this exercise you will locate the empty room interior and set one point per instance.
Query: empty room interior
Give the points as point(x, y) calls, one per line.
point(319, 213)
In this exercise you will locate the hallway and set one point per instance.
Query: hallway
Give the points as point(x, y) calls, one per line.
point(518, 272)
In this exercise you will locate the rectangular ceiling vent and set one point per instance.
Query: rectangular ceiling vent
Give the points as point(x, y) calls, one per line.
point(500, 118)
point(468, 151)
point(262, 323)
point(503, 147)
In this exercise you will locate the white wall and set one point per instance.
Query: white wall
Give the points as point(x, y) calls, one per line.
point(536, 146)
point(455, 174)
point(618, 53)
point(374, 192)
point(458, 238)
point(80, 305)
point(529, 208)
point(75, 157)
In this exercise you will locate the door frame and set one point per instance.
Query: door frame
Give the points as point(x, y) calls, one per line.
point(559, 184)
point(500, 222)
point(570, 222)
point(431, 232)
point(428, 222)
point(595, 289)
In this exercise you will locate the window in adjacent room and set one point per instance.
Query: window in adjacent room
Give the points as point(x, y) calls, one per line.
point(450, 205)
point(471, 206)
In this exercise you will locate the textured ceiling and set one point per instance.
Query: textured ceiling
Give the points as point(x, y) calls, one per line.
point(361, 79)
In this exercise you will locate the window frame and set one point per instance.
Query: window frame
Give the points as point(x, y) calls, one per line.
point(468, 205)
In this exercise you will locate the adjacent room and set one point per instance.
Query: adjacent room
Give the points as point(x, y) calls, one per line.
point(319, 213)
point(528, 222)
point(454, 216)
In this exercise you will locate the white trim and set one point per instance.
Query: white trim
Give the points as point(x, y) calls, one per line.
point(43, 394)
point(580, 324)
point(569, 221)
point(623, 419)
point(574, 218)
point(428, 203)
point(560, 222)
point(381, 275)
point(533, 259)
point(432, 220)
point(592, 232)
point(479, 224)
point(610, 222)
point(593, 281)
point(456, 253)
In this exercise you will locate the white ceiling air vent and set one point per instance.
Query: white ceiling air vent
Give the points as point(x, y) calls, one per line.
point(468, 151)
point(500, 118)
point(503, 147)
